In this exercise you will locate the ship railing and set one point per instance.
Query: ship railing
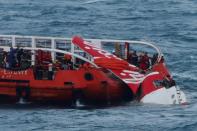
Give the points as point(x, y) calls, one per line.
point(157, 49)
point(37, 42)
point(63, 52)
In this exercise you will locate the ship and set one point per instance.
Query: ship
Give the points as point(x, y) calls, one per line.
point(90, 71)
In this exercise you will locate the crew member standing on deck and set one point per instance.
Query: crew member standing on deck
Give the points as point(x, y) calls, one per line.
point(68, 62)
point(134, 58)
point(50, 71)
point(144, 61)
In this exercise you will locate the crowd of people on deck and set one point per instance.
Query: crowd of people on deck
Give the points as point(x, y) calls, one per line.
point(19, 59)
point(43, 61)
point(14, 58)
point(44, 67)
point(44, 64)
point(143, 60)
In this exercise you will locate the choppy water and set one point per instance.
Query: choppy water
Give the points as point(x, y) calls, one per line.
point(171, 24)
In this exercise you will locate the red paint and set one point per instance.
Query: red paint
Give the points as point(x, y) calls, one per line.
point(110, 82)
point(56, 89)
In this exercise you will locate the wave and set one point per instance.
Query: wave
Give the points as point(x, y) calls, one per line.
point(186, 127)
point(191, 75)
point(93, 1)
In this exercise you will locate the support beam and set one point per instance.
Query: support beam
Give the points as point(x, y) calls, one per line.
point(53, 46)
point(13, 41)
point(33, 45)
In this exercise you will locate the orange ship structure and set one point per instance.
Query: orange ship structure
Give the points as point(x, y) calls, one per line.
point(63, 70)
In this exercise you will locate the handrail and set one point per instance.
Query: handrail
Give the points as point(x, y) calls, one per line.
point(63, 52)
point(100, 40)
point(132, 42)
point(37, 37)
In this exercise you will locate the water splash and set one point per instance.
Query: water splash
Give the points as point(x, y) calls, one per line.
point(79, 104)
point(22, 101)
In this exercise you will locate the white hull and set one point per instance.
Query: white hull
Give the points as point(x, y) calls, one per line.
point(165, 96)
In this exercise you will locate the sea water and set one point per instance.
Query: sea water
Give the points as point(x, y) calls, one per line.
point(170, 24)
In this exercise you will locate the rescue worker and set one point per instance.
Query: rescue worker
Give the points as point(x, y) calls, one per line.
point(67, 57)
point(11, 58)
point(64, 65)
point(162, 60)
point(144, 61)
point(57, 65)
point(68, 62)
point(154, 59)
point(168, 82)
point(86, 65)
point(134, 58)
point(5, 62)
point(50, 71)
point(19, 56)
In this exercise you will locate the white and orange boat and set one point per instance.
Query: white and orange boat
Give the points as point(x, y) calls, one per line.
point(93, 75)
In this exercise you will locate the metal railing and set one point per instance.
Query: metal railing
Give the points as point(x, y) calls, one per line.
point(35, 43)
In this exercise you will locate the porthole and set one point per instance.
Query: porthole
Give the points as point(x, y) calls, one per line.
point(88, 76)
